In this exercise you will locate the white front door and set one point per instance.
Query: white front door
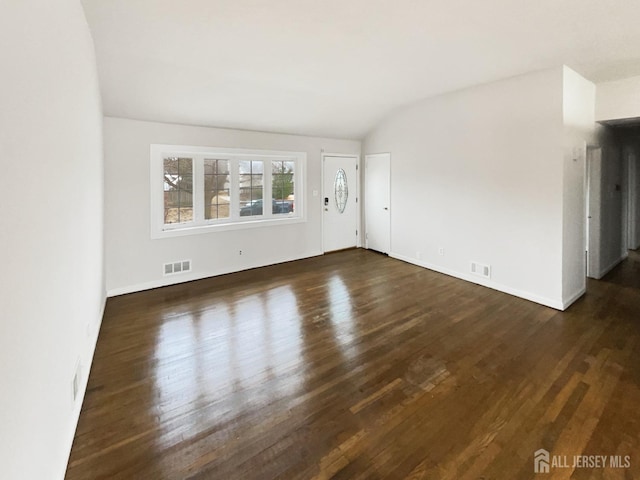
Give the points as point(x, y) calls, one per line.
point(377, 203)
point(339, 204)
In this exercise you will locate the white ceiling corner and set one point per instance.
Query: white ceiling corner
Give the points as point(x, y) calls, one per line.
point(337, 67)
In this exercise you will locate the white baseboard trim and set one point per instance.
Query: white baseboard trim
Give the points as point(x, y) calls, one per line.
point(98, 324)
point(172, 280)
point(547, 302)
point(86, 370)
point(572, 299)
point(613, 265)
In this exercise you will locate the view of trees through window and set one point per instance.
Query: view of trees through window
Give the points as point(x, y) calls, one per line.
point(206, 188)
point(178, 190)
point(251, 187)
point(217, 196)
point(282, 186)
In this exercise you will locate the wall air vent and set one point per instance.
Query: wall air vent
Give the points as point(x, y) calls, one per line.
point(182, 266)
point(481, 270)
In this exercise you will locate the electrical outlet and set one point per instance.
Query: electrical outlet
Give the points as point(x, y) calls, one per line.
point(441, 251)
point(240, 252)
point(419, 255)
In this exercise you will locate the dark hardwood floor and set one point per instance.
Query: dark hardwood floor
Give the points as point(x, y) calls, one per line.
point(354, 365)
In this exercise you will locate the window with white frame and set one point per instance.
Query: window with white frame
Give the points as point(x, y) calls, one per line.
point(198, 189)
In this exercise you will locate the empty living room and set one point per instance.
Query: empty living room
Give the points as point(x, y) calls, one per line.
point(251, 239)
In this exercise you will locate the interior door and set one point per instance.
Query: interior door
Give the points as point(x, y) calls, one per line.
point(377, 203)
point(340, 208)
point(594, 192)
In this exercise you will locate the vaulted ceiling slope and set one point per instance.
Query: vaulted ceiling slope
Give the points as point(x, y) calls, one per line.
point(337, 67)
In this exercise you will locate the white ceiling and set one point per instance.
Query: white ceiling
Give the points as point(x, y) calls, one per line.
point(337, 67)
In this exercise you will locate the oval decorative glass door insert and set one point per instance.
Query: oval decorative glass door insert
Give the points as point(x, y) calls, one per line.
point(341, 190)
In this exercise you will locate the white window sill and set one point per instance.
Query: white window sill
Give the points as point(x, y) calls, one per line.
point(223, 227)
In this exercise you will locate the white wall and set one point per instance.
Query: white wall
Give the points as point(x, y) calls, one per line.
point(578, 109)
point(134, 261)
point(634, 191)
point(618, 99)
point(594, 169)
point(52, 287)
point(479, 172)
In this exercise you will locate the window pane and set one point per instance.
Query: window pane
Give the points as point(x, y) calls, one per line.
point(224, 197)
point(282, 186)
point(216, 188)
point(245, 180)
point(224, 200)
point(277, 207)
point(256, 180)
point(186, 191)
point(257, 167)
point(223, 167)
point(256, 193)
point(178, 190)
point(244, 166)
point(209, 167)
point(186, 215)
point(185, 166)
point(223, 210)
point(171, 166)
point(251, 187)
point(276, 167)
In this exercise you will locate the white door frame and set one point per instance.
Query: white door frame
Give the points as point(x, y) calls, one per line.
point(589, 172)
point(358, 203)
point(587, 187)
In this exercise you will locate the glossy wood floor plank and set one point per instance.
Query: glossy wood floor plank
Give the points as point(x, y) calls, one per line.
point(354, 365)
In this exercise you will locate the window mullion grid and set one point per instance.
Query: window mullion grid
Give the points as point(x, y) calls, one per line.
point(267, 194)
point(198, 190)
point(198, 185)
point(278, 195)
point(298, 175)
point(159, 160)
point(300, 186)
point(234, 189)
